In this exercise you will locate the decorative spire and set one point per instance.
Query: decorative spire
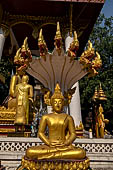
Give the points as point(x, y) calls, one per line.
point(58, 33)
point(101, 94)
point(76, 42)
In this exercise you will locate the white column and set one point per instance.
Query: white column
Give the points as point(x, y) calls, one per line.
point(75, 108)
point(49, 109)
point(2, 40)
point(68, 41)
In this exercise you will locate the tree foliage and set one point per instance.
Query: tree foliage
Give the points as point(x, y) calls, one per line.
point(102, 39)
point(5, 69)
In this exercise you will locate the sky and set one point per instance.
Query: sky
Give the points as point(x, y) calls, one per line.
point(108, 8)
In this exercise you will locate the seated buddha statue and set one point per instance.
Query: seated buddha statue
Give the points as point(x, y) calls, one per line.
point(61, 134)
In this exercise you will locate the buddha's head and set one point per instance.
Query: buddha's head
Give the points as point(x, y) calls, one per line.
point(101, 109)
point(25, 79)
point(57, 99)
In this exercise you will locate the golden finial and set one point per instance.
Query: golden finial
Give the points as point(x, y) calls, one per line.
point(58, 33)
point(81, 125)
point(57, 88)
point(76, 41)
point(90, 130)
point(58, 26)
point(102, 96)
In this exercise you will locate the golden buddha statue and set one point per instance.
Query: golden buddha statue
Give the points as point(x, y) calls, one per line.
point(101, 123)
point(23, 93)
point(58, 143)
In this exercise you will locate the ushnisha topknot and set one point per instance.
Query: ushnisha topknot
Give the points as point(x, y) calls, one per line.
point(57, 93)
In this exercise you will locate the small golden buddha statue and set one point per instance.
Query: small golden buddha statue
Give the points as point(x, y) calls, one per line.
point(58, 143)
point(101, 123)
point(23, 93)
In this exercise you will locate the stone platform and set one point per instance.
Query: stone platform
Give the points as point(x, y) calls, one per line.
point(99, 151)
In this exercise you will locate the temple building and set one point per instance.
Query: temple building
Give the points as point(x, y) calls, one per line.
point(25, 20)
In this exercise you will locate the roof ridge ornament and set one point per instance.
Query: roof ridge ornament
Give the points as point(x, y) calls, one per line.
point(23, 57)
point(42, 46)
point(73, 48)
point(90, 61)
point(58, 39)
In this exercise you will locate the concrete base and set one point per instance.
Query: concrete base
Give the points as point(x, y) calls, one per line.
point(99, 151)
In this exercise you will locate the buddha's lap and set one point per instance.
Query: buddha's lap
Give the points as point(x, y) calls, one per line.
point(67, 151)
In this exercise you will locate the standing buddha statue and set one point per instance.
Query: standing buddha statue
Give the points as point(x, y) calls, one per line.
point(101, 121)
point(23, 93)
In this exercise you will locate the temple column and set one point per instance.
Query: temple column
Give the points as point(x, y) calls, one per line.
point(74, 107)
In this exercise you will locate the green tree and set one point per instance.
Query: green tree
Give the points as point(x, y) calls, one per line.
point(5, 70)
point(102, 39)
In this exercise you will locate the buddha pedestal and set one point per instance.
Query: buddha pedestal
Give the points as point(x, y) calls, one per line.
point(7, 117)
point(55, 164)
